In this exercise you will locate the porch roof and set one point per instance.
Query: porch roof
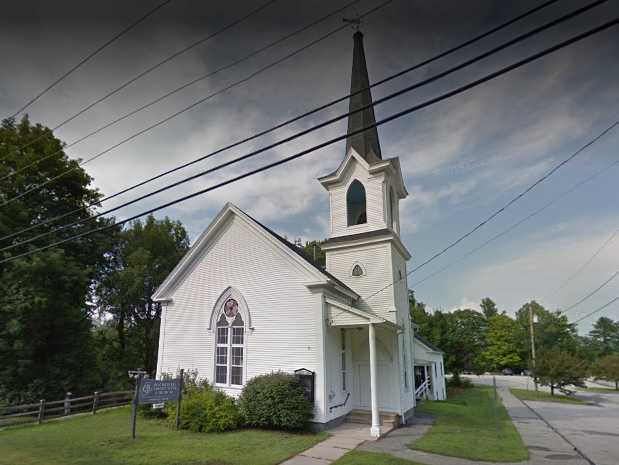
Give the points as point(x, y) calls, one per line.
point(341, 314)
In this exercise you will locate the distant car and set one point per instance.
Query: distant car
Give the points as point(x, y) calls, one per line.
point(507, 371)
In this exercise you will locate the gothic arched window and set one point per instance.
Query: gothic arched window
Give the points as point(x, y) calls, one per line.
point(357, 270)
point(355, 204)
point(230, 345)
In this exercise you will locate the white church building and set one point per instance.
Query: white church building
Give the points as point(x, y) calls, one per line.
point(244, 301)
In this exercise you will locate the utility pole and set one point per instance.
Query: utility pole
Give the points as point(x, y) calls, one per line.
point(532, 335)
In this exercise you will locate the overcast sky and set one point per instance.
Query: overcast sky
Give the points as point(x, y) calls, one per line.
point(462, 158)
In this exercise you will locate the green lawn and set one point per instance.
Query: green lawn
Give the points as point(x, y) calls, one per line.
point(466, 427)
point(356, 457)
point(524, 394)
point(105, 439)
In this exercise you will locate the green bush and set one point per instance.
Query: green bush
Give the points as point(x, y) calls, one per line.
point(275, 400)
point(206, 410)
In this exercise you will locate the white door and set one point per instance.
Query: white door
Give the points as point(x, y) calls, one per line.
point(387, 387)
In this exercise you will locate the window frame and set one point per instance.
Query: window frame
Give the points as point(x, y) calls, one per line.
point(355, 182)
point(229, 346)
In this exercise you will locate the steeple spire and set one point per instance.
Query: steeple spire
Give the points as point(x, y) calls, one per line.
point(366, 143)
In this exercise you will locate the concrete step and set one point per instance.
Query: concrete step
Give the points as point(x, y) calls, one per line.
point(364, 417)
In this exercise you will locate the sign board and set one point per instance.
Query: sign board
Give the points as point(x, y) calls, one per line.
point(155, 391)
point(307, 380)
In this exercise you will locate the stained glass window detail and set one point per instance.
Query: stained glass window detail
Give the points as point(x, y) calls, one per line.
point(229, 352)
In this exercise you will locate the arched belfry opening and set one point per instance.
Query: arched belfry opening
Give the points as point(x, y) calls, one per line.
point(355, 204)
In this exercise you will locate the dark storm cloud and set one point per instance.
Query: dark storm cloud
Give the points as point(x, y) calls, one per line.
point(461, 157)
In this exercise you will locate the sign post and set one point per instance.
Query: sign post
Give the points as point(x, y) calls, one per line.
point(179, 398)
point(155, 391)
point(135, 403)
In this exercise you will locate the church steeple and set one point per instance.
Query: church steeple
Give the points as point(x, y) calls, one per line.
point(366, 143)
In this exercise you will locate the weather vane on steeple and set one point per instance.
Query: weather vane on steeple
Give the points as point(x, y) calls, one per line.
point(355, 22)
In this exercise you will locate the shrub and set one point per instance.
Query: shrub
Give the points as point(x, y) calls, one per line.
point(205, 410)
point(275, 400)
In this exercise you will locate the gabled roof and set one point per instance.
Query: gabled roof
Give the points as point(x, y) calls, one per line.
point(427, 343)
point(162, 293)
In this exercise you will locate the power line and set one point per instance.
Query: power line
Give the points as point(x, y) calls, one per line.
point(88, 57)
point(306, 131)
point(599, 309)
point(589, 260)
point(292, 120)
point(180, 88)
point(189, 107)
point(407, 89)
point(529, 216)
point(499, 211)
point(592, 293)
point(388, 119)
point(156, 66)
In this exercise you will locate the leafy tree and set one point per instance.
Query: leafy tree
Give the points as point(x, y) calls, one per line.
point(464, 341)
point(607, 368)
point(145, 254)
point(604, 336)
point(45, 330)
point(501, 344)
point(552, 331)
point(557, 369)
point(488, 308)
point(313, 250)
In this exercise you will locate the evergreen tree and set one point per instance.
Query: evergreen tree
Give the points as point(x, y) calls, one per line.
point(607, 368)
point(488, 308)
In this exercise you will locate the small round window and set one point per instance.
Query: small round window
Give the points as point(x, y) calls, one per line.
point(357, 270)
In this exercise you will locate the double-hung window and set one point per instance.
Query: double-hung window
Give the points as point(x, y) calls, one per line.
point(230, 346)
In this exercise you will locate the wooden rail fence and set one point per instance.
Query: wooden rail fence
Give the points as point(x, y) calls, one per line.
point(45, 410)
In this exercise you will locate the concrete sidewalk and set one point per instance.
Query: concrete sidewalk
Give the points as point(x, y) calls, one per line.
point(344, 438)
point(545, 446)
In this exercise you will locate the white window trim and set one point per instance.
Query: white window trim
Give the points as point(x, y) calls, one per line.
point(229, 346)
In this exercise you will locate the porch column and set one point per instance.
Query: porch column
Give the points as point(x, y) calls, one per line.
point(425, 379)
point(375, 430)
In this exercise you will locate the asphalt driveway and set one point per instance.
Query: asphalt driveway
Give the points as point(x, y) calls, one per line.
point(592, 427)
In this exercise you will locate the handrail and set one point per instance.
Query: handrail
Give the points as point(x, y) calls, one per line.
point(423, 387)
point(340, 405)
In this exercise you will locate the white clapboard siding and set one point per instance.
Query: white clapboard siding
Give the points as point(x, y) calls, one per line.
point(376, 261)
point(285, 315)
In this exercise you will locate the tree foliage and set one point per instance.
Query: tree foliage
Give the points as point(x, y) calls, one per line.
point(45, 328)
point(607, 368)
point(557, 368)
point(488, 307)
point(144, 254)
point(501, 348)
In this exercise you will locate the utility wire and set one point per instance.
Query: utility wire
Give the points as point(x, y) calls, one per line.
point(512, 201)
point(332, 141)
point(592, 293)
point(88, 57)
point(529, 216)
point(156, 66)
point(189, 107)
point(180, 88)
point(589, 260)
point(304, 132)
point(294, 119)
point(393, 76)
point(599, 309)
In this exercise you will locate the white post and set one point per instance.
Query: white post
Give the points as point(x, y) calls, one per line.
point(375, 431)
point(425, 380)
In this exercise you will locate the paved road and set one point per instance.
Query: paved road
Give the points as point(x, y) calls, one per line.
point(593, 427)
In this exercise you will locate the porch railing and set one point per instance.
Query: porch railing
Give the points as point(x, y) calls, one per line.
point(422, 390)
